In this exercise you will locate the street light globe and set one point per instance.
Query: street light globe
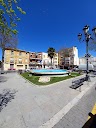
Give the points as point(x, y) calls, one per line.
point(86, 29)
point(79, 36)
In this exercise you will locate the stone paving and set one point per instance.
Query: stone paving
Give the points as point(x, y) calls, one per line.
point(78, 115)
point(32, 105)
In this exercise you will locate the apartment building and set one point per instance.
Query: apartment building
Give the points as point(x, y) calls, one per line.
point(55, 60)
point(35, 60)
point(46, 61)
point(15, 59)
point(19, 59)
point(68, 57)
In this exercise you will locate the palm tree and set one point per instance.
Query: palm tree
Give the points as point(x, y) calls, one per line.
point(51, 53)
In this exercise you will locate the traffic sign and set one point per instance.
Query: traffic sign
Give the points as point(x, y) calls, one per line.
point(87, 55)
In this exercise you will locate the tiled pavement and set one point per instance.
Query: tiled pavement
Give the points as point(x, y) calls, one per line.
point(33, 106)
point(78, 115)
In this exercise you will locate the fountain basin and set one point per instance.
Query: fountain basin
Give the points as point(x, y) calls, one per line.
point(49, 72)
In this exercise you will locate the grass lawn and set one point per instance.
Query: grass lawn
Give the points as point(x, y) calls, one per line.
point(34, 79)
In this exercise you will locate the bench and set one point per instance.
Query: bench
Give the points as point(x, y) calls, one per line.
point(78, 83)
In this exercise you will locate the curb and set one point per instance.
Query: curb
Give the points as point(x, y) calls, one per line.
point(27, 80)
point(93, 111)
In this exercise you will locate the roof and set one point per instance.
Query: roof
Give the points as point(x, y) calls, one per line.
point(15, 49)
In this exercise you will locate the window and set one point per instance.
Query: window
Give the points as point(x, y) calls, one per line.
point(26, 60)
point(20, 61)
point(11, 60)
point(12, 52)
point(20, 53)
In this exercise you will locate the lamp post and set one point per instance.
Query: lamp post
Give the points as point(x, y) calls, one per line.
point(87, 38)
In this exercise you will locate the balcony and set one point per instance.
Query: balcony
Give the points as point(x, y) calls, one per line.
point(20, 62)
point(39, 63)
point(35, 63)
point(35, 58)
point(32, 62)
point(67, 58)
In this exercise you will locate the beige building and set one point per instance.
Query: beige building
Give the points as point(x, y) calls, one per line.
point(68, 57)
point(15, 59)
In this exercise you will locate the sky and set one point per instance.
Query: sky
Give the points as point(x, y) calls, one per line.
point(54, 23)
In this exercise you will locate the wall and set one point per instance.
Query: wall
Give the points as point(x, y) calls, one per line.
point(16, 58)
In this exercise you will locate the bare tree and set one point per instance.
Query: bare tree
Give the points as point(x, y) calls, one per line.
point(92, 45)
point(7, 40)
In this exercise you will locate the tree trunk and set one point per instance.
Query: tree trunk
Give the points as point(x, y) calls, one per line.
point(51, 61)
point(2, 67)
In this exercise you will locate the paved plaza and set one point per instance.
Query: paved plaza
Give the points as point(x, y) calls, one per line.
point(31, 106)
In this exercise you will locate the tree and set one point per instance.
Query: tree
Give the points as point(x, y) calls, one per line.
point(7, 40)
point(64, 53)
point(8, 12)
point(51, 53)
point(92, 45)
point(8, 23)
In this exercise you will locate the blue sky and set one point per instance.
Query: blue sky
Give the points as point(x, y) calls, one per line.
point(54, 23)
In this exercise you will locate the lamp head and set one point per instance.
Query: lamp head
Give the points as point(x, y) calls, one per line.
point(86, 29)
point(79, 36)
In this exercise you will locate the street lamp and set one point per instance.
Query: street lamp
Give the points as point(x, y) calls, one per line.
point(87, 39)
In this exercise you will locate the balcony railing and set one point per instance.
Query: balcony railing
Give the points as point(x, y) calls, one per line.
point(35, 63)
point(32, 62)
point(35, 58)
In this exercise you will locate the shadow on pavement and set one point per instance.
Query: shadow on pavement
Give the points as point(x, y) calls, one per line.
point(3, 79)
point(6, 96)
point(91, 123)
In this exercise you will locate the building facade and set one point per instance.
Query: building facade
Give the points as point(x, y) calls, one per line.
point(19, 59)
point(46, 61)
point(35, 60)
point(55, 60)
point(68, 57)
point(15, 59)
